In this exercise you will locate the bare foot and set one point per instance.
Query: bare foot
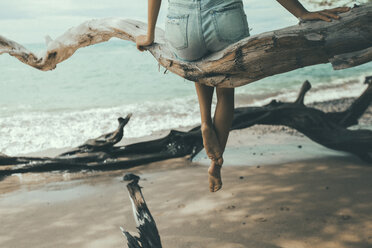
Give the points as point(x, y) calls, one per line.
point(215, 181)
point(211, 143)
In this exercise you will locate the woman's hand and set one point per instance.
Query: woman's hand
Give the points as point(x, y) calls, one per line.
point(296, 8)
point(142, 41)
point(325, 15)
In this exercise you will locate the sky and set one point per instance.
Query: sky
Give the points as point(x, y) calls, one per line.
point(29, 21)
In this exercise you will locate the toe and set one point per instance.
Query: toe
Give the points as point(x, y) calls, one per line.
point(217, 187)
point(211, 188)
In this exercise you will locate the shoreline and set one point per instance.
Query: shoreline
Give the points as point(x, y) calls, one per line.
point(326, 106)
point(253, 147)
point(40, 132)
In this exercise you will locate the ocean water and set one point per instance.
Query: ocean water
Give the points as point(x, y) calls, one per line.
point(83, 96)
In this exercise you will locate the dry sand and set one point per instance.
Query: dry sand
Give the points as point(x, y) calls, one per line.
point(288, 197)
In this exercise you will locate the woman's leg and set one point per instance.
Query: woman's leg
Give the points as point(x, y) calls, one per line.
point(222, 123)
point(215, 134)
point(224, 114)
point(210, 140)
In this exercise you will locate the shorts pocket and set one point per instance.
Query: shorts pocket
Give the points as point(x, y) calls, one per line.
point(230, 23)
point(176, 31)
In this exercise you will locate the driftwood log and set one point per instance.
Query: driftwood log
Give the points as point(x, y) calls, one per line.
point(148, 232)
point(327, 129)
point(345, 43)
point(103, 142)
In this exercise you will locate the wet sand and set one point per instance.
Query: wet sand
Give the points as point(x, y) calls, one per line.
point(281, 198)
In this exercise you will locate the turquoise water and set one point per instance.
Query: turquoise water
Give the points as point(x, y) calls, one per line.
point(103, 75)
point(83, 96)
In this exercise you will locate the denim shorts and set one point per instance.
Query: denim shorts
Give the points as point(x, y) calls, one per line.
point(195, 28)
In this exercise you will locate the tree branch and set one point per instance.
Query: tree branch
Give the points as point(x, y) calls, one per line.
point(345, 43)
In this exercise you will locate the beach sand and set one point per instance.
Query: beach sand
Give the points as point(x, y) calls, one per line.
point(279, 190)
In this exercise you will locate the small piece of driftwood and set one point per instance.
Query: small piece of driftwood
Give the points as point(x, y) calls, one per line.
point(148, 232)
point(98, 144)
point(344, 43)
point(328, 129)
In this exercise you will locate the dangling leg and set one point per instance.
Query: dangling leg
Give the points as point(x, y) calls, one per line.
point(210, 141)
point(222, 123)
point(224, 114)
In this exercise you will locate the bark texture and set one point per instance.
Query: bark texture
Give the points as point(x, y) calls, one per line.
point(345, 43)
point(148, 233)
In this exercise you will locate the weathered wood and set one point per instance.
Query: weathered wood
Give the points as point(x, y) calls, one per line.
point(352, 59)
point(350, 116)
point(148, 232)
point(327, 129)
point(175, 144)
point(345, 43)
point(102, 143)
